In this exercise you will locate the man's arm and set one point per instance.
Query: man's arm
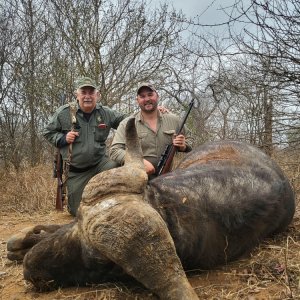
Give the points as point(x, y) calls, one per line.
point(117, 118)
point(52, 132)
point(117, 148)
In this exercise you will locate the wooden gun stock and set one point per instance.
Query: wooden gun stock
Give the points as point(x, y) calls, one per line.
point(165, 163)
point(60, 196)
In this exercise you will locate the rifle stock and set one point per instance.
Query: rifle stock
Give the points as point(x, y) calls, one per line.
point(58, 170)
point(165, 162)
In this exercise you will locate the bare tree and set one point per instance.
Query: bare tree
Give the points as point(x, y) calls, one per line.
point(119, 44)
point(250, 72)
point(272, 36)
point(52, 42)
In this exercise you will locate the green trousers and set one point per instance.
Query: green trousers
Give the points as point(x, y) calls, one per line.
point(77, 181)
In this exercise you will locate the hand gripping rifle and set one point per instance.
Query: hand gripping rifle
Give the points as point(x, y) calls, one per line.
point(165, 162)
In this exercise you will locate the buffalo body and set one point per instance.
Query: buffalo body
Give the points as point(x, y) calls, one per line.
point(221, 201)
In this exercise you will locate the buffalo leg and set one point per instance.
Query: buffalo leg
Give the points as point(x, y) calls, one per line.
point(19, 244)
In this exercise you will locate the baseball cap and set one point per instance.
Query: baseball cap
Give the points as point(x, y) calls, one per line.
point(146, 84)
point(85, 81)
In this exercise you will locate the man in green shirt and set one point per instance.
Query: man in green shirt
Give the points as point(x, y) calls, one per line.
point(155, 130)
point(80, 130)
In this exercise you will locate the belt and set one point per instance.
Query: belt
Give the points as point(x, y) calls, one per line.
point(80, 170)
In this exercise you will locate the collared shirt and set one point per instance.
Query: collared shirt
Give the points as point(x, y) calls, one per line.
point(90, 146)
point(153, 143)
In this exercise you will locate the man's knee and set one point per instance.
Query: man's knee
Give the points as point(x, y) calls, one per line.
point(73, 203)
point(75, 186)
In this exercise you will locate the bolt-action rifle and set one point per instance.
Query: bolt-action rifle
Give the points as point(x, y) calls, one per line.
point(165, 162)
point(57, 173)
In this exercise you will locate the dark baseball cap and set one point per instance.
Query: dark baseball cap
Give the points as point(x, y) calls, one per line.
point(146, 84)
point(85, 81)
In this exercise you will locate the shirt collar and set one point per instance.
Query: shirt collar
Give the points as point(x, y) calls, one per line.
point(140, 118)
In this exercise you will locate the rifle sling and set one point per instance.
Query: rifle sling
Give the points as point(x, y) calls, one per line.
point(67, 162)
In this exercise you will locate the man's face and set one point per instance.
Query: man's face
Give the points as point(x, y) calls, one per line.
point(87, 98)
point(147, 100)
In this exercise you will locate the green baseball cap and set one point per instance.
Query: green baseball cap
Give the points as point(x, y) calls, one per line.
point(85, 81)
point(146, 84)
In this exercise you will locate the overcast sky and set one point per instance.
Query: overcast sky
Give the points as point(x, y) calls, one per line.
point(209, 11)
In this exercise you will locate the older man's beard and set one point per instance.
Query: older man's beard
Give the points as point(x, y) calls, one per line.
point(154, 107)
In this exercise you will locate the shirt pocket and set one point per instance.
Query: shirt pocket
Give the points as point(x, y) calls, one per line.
point(142, 135)
point(101, 133)
point(168, 135)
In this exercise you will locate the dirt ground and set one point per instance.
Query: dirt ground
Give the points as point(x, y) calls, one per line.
point(270, 272)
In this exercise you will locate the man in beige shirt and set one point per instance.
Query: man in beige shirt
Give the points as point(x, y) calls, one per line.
point(155, 130)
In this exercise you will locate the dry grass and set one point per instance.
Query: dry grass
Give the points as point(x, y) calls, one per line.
point(29, 190)
point(271, 271)
point(289, 161)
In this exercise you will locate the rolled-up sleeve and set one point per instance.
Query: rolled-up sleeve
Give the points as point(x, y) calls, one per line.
point(189, 140)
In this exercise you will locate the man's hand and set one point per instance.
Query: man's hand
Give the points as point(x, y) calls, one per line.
point(149, 167)
point(179, 142)
point(163, 109)
point(71, 136)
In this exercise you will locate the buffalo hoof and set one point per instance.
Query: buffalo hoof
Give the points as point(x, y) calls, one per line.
point(19, 244)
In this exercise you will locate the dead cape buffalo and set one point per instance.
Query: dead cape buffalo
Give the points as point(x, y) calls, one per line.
point(217, 205)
